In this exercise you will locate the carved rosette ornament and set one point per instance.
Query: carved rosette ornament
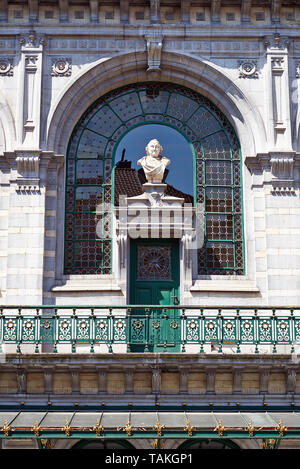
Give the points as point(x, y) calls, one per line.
point(248, 69)
point(6, 66)
point(61, 67)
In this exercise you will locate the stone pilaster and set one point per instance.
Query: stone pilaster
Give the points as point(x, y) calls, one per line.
point(263, 381)
point(48, 380)
point(156, 381)
point(129, 381)
point(183, 380)
point(210, 381)
point(102, 376)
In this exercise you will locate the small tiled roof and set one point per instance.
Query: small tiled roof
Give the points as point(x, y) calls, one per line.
point(126, 183)
point(129, 182)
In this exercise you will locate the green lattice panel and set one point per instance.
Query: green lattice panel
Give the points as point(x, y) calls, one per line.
point(229, 330)
point(120, 334)
point(296, 330)
point(283, 330)
point(102, 330)
point(247, 330)
point(83, 328)
point(29, 329)
point(211, 330)
point(138, 330)
point(11, 330)
point(193, 330)
point(265, 330)
point(65, 330)
point(47, 330)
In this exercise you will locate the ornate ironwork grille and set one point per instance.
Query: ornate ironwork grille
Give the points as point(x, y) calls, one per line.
point(89, 185)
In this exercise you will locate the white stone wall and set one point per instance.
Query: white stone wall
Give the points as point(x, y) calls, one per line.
point(48, 79)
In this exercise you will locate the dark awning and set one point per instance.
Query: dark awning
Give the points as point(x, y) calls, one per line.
point(149, 424)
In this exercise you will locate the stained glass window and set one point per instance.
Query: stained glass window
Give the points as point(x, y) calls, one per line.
point(217, 181)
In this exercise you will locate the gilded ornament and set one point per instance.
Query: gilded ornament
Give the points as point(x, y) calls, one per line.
point(128, 428)
point(6, 428)
point(98, 428)
point(188, 428)
point(174, 324)
point(280, 428)
point(158, 427)
point(156, 444)
point(250, 428)
point(66, 428)
point(219, 428)
point(36, 428)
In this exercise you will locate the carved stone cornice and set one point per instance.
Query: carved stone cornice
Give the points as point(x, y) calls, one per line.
point(276, 43)
point(31, 41)
point(28, 168)
point(275, 168)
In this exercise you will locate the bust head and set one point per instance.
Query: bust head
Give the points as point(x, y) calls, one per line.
point(153, 148)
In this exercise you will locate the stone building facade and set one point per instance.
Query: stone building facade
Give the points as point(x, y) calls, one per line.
point(70, 72)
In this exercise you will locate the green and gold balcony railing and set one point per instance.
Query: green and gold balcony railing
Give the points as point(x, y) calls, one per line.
point(144, 327)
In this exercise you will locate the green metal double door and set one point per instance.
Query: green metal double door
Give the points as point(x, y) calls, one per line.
point(154, 280)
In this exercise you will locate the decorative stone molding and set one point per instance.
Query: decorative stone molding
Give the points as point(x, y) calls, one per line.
point(31, 40)
point(282, 169)
point(61, 67)
point(276, 169)
point(154, 48)
point(155, 199)
point(28, 165)
point(28, 169)
point(282, 166)
point(248, 69)
point(277, 42)
point(6, 66)
point(276, 63)
point(155, 11)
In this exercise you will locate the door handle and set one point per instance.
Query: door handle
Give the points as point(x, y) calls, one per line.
point(176, 301)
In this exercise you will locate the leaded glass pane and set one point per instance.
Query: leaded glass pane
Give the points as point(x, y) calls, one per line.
point(218, 199)
point(181, 106)
point(220, 255)
point(90, 145)
point(216, 147)
point(127, 106)
point(87, 198)
point(202, 122)
point(88, 254)
point(89, 172)
point(218, 173)
point(85, 224)
point(105, 121)
point(155, 102)
point(219, 226)
point(238, 228)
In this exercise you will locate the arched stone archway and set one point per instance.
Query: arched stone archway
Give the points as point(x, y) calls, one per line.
point(200, 76)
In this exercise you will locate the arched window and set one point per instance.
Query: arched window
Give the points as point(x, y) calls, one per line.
point(90, 177)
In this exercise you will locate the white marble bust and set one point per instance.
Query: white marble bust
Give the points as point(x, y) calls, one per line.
point(154, 163)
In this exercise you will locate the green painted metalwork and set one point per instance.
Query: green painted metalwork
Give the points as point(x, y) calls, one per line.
point(115, 325)
point(154, 277)
point(90, 176)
